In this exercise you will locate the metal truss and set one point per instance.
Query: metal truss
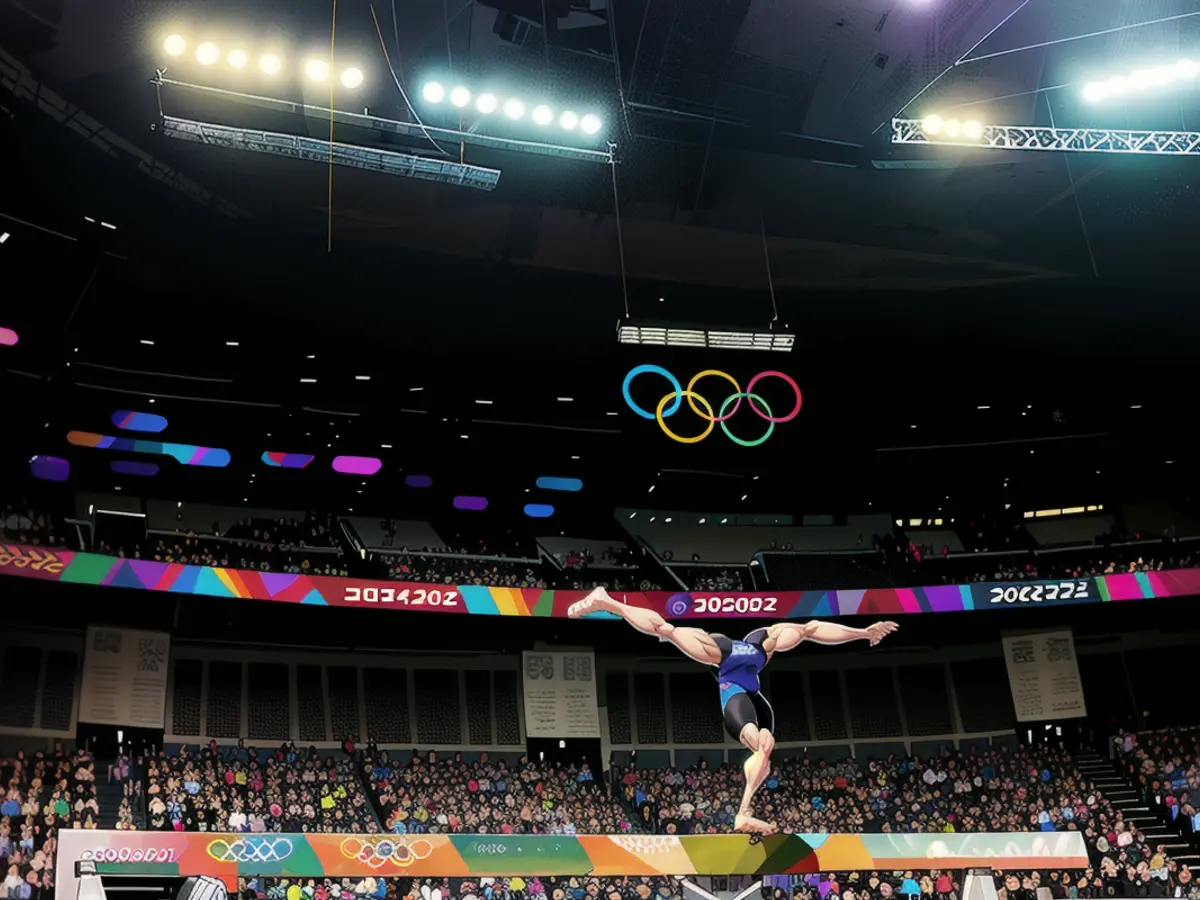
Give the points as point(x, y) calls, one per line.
point(370, 159)
point(1063, 140)
point(411, 130)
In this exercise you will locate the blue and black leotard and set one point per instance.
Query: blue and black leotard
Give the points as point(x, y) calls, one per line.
point(742, 702)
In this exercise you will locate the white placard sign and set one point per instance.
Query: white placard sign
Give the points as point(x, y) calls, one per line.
point(1043, 674)
point(125, 677)
point(560, 694)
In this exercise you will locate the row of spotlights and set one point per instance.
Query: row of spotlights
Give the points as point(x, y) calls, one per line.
point(209, 53)
point(487, 103)
point(1142, 79)
point(936, 126)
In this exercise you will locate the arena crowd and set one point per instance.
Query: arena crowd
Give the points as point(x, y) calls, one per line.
point(368, 790)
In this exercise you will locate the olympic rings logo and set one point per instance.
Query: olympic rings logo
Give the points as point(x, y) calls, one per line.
point(251, 850)
point(376, 852)
point(670, 403)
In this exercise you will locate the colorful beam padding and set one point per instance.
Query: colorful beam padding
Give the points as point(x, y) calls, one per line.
point(187, 454)
point(8, 337)
point(139, 421)
point(472, 504)
point(287, 460)
point(357, 465)
point(49, 468)
point(550, 483)
point(539, 510)
point(322, 590)
point(418, 481)
point(240, 855)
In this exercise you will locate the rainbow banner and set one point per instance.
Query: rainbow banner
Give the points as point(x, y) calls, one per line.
point(231, 856)
point(320, 590)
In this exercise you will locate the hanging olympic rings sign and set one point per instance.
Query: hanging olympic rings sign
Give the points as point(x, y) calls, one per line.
point(702, 407)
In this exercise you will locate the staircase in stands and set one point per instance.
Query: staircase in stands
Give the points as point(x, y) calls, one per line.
point(1125, 798)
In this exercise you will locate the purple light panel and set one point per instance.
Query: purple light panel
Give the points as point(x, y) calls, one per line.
point(286, 460)
point(474, 504)
point(139, 421)
point(8, 337)
point(50, 468)
point(357, 465)
point(133, 467)
point(418, 481)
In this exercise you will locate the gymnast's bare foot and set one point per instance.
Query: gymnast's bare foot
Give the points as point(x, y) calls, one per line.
point(597, 601)
point(747, 824)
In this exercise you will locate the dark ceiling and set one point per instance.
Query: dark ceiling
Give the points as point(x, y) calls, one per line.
point(921, 287)
point(732, 119)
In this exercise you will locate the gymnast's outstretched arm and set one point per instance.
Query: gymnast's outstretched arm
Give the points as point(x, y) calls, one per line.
point(789, 635)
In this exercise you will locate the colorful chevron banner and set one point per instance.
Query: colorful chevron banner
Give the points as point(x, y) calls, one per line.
point(320, 590)
point(230, 856)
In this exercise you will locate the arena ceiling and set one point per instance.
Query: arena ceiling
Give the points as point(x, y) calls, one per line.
point(733, 120)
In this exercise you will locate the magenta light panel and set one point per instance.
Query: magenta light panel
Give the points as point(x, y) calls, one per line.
point(357, 465)
point(139, 421)
point(8, 337)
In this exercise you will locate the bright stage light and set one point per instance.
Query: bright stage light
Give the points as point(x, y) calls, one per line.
point(460, 96)
point(543, 115)
point(175, 45)
point(433, 92)
point(317, 69)
point(237, 59)
point(352, 78)
point(1141, 80)
point(207, 54)
point(973, 130)
point(953, 128)
point(270, 64)
point(569, 120)
point(932, 124)
point(486, 103)
point(514, 108)
point(590, 124)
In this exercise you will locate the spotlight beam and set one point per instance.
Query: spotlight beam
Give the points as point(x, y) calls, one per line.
point(1061, 140)
point(410, 130)
point(371, 159)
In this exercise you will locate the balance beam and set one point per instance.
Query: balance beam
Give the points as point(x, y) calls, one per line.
point(230, 856)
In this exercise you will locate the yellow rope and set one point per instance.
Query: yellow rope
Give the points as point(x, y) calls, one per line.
point(332, 38)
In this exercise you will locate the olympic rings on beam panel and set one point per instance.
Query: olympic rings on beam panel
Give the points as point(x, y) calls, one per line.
point(671, 402)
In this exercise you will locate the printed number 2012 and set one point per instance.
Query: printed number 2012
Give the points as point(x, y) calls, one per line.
point(734, 604)
point(1036, 593)
point(407, 596)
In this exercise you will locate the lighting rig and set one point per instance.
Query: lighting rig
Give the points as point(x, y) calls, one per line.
point(440, 152)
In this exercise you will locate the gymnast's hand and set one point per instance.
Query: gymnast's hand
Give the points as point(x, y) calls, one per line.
point(880, 630)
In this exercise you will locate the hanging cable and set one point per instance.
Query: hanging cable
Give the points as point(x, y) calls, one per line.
point(620, 237)
point(400, 87)
point(546, 38)
point(1087, 238)
point(762, 228)
point(958, 62)
point(616, 54)
point(332, 40)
